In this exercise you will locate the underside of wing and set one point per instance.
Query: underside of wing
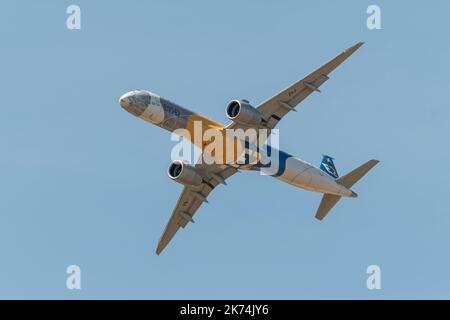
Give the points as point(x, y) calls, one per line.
point(279, 105)
point(270, 113)
point(275, 108)
point(191, 199)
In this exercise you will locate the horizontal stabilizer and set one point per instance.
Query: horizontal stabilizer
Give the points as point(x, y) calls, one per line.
point(353, 176)
point(328, 202)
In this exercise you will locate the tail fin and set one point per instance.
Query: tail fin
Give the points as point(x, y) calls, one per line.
point(327, 166)
point(329, 200)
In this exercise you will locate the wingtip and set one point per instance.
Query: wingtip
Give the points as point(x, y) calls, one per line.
point(355, 47)
point(159, 249)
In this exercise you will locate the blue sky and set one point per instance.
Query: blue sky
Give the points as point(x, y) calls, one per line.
point(83, 182)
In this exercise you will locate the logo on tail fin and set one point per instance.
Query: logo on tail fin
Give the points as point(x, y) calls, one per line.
point(327, 166)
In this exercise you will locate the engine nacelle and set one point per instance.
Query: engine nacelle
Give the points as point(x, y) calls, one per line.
point(184, 173)
point(241, 111)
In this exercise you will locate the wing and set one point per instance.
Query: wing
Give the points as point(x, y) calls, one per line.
point(191, 199)
point(275, 108)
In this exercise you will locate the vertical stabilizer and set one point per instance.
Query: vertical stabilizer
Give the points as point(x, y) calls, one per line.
point(327, 166)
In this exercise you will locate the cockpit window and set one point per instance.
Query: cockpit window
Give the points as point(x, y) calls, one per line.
point(142, 97)
point(147, 99)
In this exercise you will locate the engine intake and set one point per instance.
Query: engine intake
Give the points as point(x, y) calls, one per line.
point(241, 111)
point(184, 173)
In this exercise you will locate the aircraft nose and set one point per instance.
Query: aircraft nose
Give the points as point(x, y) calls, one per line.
point(124, 100)
point(133, 103)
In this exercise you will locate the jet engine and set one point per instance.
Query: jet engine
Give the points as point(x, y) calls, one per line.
point(242, 112)
point(184, 173)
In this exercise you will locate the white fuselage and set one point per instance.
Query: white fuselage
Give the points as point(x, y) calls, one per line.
point(302, 174)
point(289, 169)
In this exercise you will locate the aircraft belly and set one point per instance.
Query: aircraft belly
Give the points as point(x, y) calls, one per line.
point(306, 176)
point(321, 182)
point(294, 168)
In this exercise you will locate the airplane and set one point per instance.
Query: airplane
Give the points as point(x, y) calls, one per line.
point(201, 178)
